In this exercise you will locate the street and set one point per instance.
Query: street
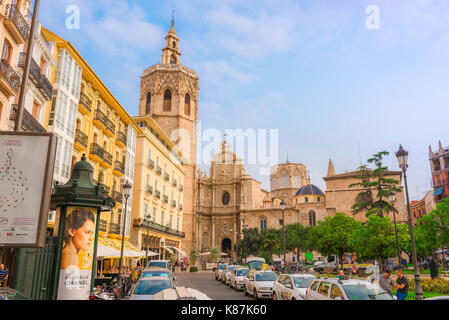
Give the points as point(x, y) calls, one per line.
point(206, 283)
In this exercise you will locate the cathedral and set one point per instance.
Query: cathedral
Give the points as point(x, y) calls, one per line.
point(219, 205)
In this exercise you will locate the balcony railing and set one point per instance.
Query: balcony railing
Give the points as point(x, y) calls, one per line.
point(40, 80)
point(9, 75)
point(117, 196)
point(97, 150)
point(101, 117)
point(181, 187)
point(13, 13)
point(150, 163)
point(157, 194)
point(174, 183)
point(103, 226)
point(114, 228)
point(158, 170)
point(165, 198)
point(107, 157)
point(158, 227)
point(149, 189)
point(180, 207)
point(173, 204)
point(118, 166)
point(121, 137)
point(29, 123)
point(81, 138)
point(110, 126)
point(85, 101)
point(166, 177)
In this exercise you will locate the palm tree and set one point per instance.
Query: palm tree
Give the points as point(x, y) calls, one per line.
point(271, 243)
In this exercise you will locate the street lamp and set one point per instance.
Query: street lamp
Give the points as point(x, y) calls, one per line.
point(283, 229)
point(402, 156)
point(126, 192)
point(392, 196)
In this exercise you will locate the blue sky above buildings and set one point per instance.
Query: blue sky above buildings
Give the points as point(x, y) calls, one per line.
point(310, 69)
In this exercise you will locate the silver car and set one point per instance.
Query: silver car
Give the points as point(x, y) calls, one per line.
point(260, 284)
point(350, 289)
point(237, 278)
point(147, 287)
point(165, 264)
point(227, 273)
point(219, 270)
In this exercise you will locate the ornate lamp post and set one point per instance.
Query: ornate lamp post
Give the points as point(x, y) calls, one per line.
point(402, 156)
point(392, 196)
point(126, 192)
point(283, 229)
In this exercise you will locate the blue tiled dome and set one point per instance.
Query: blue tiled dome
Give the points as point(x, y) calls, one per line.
point(309, 190)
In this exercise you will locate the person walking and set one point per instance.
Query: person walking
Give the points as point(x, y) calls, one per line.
point(385, 282)
point(401, 285)
point(3, 275)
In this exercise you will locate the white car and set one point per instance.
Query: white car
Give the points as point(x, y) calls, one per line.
point(219, 270)
point(227, 273)
point(237, 278)
point(260, 284)
point(180, 293)
point(292, 286)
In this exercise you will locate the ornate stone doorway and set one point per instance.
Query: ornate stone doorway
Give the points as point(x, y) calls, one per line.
point(226, 245)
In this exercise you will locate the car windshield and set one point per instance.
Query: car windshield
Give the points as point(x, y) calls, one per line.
point(258, 265)
point(147, 274)
point(302, 282)
point(221, 266)
point(243, 272)
point(231, 268)
point(266, 276)
point(151, 286)
point(159, 264)
point(366, 292)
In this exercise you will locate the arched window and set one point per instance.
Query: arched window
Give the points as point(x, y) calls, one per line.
point(284, 181)
point(174, 44)
point(167, 100)
point(6, 52)
point(173, 59)
point(312, 218)
point(148, 103)
point(263, 224)
point(296, 180)
point(187, 104)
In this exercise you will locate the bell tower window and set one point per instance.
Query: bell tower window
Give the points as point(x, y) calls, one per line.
point(148, 103)
point(167, 100)
point(173, 59)
point(187, 104)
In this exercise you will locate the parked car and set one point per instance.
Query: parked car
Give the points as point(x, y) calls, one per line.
point(350, 289)
point(259, 284)
point(255, 263)
point(165, 264)
point(157, 272)
point(11, 294)
point(292, 286)
point(147, 287)
point(227, 273)
point(237, 278)
point(180, 293)
point(220, 268)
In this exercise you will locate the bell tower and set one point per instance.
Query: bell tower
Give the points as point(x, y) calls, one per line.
point(169, 94)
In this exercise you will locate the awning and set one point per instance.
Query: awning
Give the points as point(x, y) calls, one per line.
point(106, 252)
point(129, 250)
point(168, 249)
point(179, 250)
point(208, 253)
point(438, 191)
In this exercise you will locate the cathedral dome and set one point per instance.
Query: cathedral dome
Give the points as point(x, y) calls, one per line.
point(309, 190)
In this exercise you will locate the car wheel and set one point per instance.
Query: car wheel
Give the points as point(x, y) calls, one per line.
point(245, 291)
point(293, 299)
point(275, 297)
point(255, 294)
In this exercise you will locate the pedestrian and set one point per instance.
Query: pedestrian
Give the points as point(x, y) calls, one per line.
point(3, 275)
point(385, 282)
point(341, 274)
point(401, 285)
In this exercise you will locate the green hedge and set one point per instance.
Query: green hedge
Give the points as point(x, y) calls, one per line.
point(193, 269)
point(437, 285)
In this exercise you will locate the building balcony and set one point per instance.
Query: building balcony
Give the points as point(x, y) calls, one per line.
point(103, 226)
point(117, 196)
point(9, 79)
point(150, 163)
point(157, 194)
point(85, 104)
point(166, 176)
point(165, 198)
point(157, 227)
point(121, 139)
point(101, 121)
point(119, 168)
point(180, 207)
point(174, 183)
point(173, 203)
point(181, 187)
point(16, 24)
point(40, 80)
point(114, 228)
point(149, 189)
point(106, 188)
point(96, 152)
point(107, 159)
point(29, 123)
point(80, 140)
point(158, 170)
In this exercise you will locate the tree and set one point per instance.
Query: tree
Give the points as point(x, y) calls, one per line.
point(296, 236)
point(251, 243)
point(194, 256)
point(332, 235)
point(271, 242)
point(215, 254)
point(375, 239)
point(374, 180)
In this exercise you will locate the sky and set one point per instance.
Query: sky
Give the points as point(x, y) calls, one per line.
point(337, 79)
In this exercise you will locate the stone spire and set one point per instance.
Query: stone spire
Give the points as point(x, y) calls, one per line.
point(330, 169)
point(171, 54)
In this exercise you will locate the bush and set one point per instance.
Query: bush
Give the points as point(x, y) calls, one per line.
point(193, 269)
point(438, 285)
